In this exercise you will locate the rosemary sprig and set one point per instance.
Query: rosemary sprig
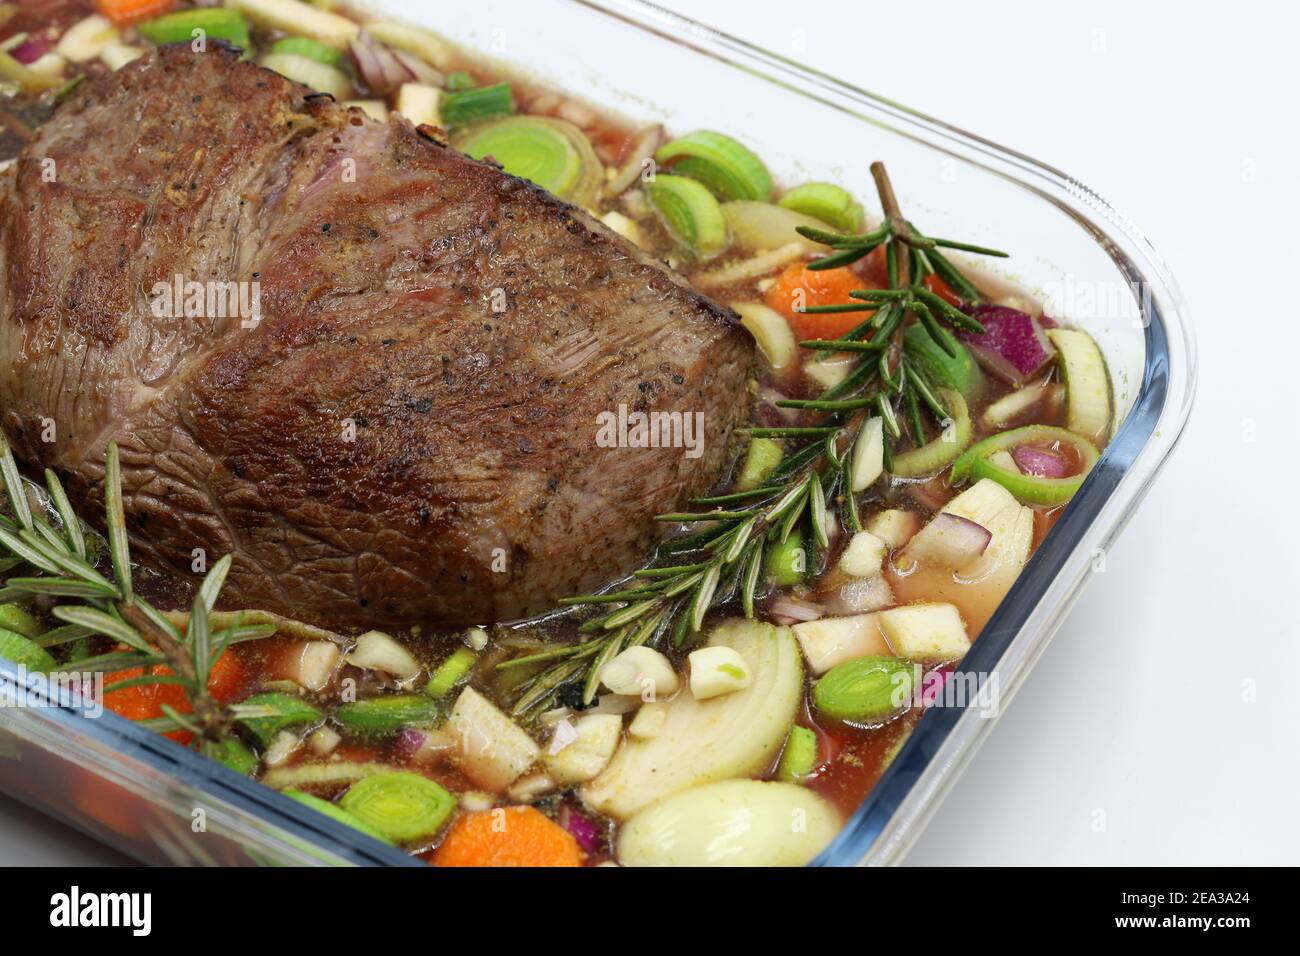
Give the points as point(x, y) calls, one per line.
point(60, 567)
point(691, 574)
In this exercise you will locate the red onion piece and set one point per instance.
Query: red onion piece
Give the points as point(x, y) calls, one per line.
point(949, 541)
point(32, 49)
point(586, 832)
point(643, 148)
point(1040, 462)
point(378, 66)
point(788, 610)
point(1013, 346)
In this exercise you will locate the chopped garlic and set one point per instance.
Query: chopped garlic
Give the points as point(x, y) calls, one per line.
point(649, 722)
point(640, 671)
point(376, 651)
point(583, 756)
point(323, 740)
point(864, 555)
point(718, 670)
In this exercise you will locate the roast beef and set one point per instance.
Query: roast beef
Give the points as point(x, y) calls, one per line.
point(409, 431)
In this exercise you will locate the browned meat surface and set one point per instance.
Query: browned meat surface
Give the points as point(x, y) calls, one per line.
point(409, 433)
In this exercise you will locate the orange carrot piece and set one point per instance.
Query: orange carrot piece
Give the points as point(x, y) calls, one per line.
point(124, 12)
point(799, 287)
point(510, 836)
point(144, 701)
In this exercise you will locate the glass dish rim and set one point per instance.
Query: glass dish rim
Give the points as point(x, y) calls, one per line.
point(889, 818)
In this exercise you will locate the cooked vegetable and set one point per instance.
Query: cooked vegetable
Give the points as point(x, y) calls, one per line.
point(425, 44)
point(949, 541)
point(978, 463)
point(492, 749)
point(336, 813)
point(932, 457)
point(690, 214)
point(771, 333)
point(639, 161)
point(117, 55)
point(586, 750)
point(214, 23)
point(124, 12)
point(1087, 388)
point(825, 201)
point(868, 456)
point(894, 527)
point(762, 226)
point(718, 670)
point(86, 39)
point(641, 671)
point(746, 270)
point(377, 651)
point(290, 712)
point(480, 103)
point(1004, 412)
point(459, 80)
point(625, 227)
point(403, 806)
point(387, 715)
point(131, 693)
point(799, 758)
point(649, 722)
point(522, 837)
point(866, 690)
point(927, 633)
point(1012, 345)
point(863, 556)
point(299, 19)
point(321, 774)
point(311, 49)
point(727, 168)
point(234, 754)
point(309, 664)
point(25, 652)
point(834, 640)
point(551, 153)
point(419, 104)
point(950, 364)
point(730, 736)
point(732, 823)
point(787, 562)
point(763, 455)
point(451, 672)
point(310, 73)
point(31, 81)
point(16, 618)
point(799, 288)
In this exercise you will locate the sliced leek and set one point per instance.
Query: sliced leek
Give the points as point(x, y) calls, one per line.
point(932, 457)
point(827, 202)
point(727, 168)
point(404, 807)
point(690, 214)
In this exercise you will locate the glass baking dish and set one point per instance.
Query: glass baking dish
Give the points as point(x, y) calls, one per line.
point(162, 803)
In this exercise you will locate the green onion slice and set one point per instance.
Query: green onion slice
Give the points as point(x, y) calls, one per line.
point(825, 201)
point(311, 49)
point(870, 689)
point(219, 23)
point(335, 812)
point(387, 715)
point(475, 105)
point(931, 457)
point(1031, 489)
point(551, 153)
point(727, 168)
point(690, 213)
point(290, 712)
point(403, 806)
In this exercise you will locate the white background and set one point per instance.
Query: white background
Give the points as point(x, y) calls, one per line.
point(1161, 725)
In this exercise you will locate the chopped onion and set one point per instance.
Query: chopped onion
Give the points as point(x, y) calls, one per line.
point(949, 541)
point(754, 268)
point(643, 148)
point(585, 831)
point(422, 746)
point(1012, 347)
point(32, 49)
point(378, 65)
point(788, 610)
point(423, 72)
point(1040, 462)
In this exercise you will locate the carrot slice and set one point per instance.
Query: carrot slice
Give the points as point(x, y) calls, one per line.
point(123, 12)
point(942, 289)
point(799, 287)
point(144, 701)
point(509, 836)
